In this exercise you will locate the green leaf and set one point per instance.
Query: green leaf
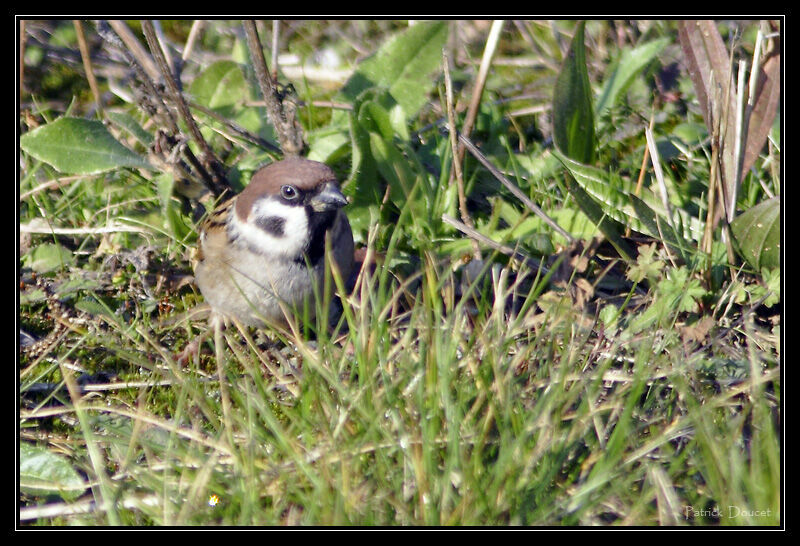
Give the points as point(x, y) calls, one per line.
point(42, 472)
point(221, 84)
point(48, 257)
point(394, 168)
point(327, 145)
point(173, 220)
point(94, 307)
point(683, 292)
point(644, 213)
point(622, 73)
point(647, 266)
point(404, 182)
point(758, 234)
point(79, 146)
point(375, 118)
point(573, 121)
point(363, 185)
point(772, 280)
point(404, 66)
point(129, 124)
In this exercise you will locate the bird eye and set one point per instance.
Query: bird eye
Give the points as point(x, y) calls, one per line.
point(289, 192)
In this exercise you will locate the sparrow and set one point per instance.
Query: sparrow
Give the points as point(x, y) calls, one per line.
point(261, 254)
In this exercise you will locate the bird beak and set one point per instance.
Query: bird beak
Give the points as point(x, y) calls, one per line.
point(330, 198)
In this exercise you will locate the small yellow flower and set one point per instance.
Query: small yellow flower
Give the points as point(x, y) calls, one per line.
point(213, 500)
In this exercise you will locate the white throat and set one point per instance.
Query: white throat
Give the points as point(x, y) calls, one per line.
point(295, 228)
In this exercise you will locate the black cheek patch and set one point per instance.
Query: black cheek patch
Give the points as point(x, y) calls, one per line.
point(273, 225)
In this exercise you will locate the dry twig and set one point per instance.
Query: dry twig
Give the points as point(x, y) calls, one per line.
point(281, 112)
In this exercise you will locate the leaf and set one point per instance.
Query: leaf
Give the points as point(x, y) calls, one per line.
point(129, 124)
point(94, 307)
point(42, 472)
point(705, 52)
point(758, 235)
point(768, 96)
point(173, 220)
point(573, 121)
point(643, 213)
point(622, 73)
point(680, 290)
point(363, 185)
point(79, 146)
point(574, 137)
point(221, 84)
point(48, 257)
point(404, 66)
point(647, 266)
point(327, 145)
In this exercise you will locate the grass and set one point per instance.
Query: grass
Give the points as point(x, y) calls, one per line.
point(591, 393)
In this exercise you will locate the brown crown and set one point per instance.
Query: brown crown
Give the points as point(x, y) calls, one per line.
point(304, 174)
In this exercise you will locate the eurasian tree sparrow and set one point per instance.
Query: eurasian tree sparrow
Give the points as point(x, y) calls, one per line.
point(263, 251)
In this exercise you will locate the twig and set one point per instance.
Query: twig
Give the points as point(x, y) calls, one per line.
point(197, 26)
point(21, 57)
point(164, 50)
point(238, 129)
point(276, 24)
point(480, 82)
point(642, 170)
point(207, 156)
point(135, 47)
point(740, 140)
point(530, 110)
point(451, 119)
point(533, 263)
point(282, 115)
point(87, 63)
point(513, 188)
point(158, 108)
point(40, 225)
point(51, 185)
point(89, 506)
point(656, 161)
point(315, 103)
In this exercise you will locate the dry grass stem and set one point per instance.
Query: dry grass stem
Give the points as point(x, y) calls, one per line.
point(87, 63)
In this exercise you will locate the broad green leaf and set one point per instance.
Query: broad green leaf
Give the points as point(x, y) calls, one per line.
point(374, 117)
point(79, 146)
point(404, 183)
point(404, 66)
point(326, 145)
point(611, 228)
point(394, 168)
point(644, 213)
point(573, 121)
point(221, 84)
point(574, 137)
point(48, 257)
point(129, 124)
point(605, 222)
point(629, 65)
point(363, 184)
point(758, 234)
point(42, 472)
